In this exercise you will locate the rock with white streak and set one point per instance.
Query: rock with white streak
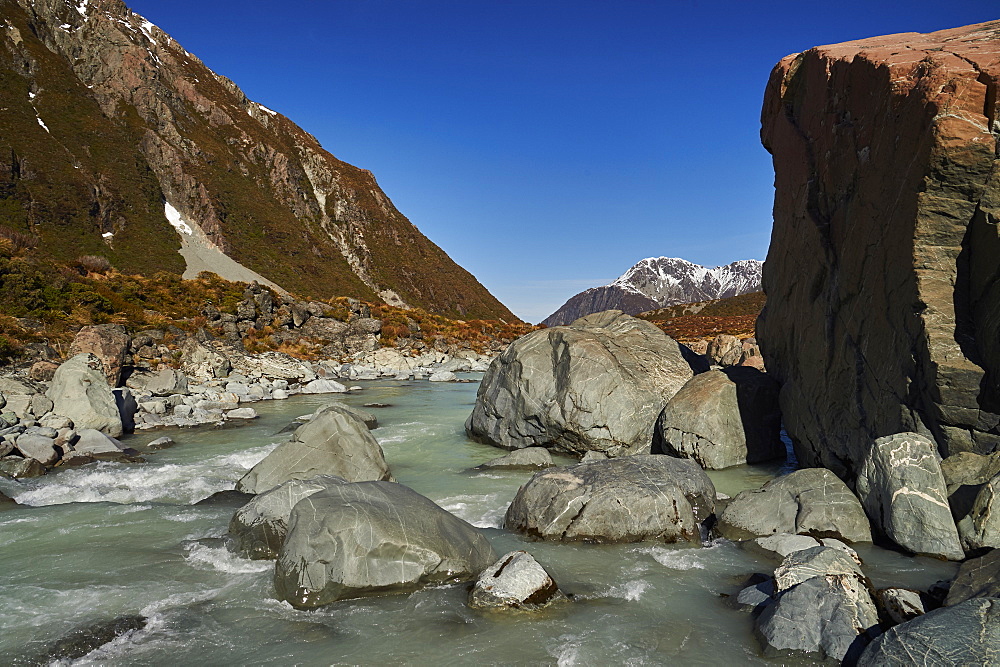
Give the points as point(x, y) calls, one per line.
point(323, 387)
point(516, 581)
point(902, 489)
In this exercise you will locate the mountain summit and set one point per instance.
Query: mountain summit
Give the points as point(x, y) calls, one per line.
point(119, 143)
point(656, 282)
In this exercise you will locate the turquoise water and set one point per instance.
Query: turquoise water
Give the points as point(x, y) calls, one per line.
point(112, 539)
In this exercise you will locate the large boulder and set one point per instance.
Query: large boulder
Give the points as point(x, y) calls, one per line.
point(976, 578)
point(643, 497)
point(597, 384)
point(904, 493)
point(529, 458)
point(822, 605)
point(333, 442)
point(812, 501)
point(722, 419)
point(966, 634)
point(108, 342)
point(201, 361)
point(258, 529)
point(373, 537)
point(883, 299)
point(80, 391)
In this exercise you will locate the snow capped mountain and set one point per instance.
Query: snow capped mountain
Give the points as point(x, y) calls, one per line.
point(656, 282)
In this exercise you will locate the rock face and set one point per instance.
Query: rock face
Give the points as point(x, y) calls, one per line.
point(822, 606)
point(195, 175)
point(334, 442)
point(883, 294)
point(904, 493)
point(598, 384)
point(80, 391)
point(976, 578)
point(373, 537)
point(967, 634)
point(722, 419)
point(258, 528)
point(981, 528)
point(109, 343)
point(643, 497)
point(812, 501)
point(656, 282)
point(516, 581)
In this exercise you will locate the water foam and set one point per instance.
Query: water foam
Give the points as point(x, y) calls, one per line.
point(482, 511)
point(220, 559)
point(675, 559)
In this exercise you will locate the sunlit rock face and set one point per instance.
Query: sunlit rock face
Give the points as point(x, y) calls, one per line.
point(883, 289)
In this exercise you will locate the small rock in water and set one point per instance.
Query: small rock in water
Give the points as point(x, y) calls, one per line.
point(161, 443)
point(516, 581)
point(242, 413)
point(900, 604)
point(376, 405)
point(229, 497)
point(85, 640)
point(523, 459)
point(18, 468)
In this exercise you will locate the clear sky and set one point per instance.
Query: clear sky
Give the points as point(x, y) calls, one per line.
point(545, 145)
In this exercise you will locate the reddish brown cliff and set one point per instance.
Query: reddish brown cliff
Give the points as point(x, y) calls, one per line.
point(883, 279)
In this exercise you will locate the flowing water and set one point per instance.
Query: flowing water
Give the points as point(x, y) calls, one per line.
point(110, 539)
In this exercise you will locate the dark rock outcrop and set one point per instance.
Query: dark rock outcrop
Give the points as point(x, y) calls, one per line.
point(373, 537)
point(598, 384)
point(643, 497)
point(883, 294)
point(976, 578)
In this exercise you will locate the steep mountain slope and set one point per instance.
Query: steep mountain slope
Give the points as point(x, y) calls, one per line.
point(108, 127)
point(657, 282)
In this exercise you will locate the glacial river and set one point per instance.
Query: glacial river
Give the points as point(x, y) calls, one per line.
point(109, 540)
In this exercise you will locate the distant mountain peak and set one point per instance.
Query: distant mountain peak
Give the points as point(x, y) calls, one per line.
point(657, 282)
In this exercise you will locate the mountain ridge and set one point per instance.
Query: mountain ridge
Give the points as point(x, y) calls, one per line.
point(110, 123)
point(657, 282)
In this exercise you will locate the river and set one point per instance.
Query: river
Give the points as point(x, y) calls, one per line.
point(107, 540)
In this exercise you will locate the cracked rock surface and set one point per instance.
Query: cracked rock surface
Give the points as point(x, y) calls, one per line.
point(516, 581)
point(643, 497)
point(352, 540)
point(822, 605)
point(883, 289)
point(902, 489)
point(812, 501)
point(598, 384)
point(967, 634)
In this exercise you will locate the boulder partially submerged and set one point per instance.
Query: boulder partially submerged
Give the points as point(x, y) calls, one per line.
point(367, 538)
point(643, 497)
point(597, 384)
point(516, 581)
point(333, 442)
point(812, 502)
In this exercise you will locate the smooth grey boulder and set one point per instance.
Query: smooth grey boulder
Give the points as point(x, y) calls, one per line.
point(901, 487)
point(643, 497)
point(242, 413)
point(321, 386)
point(597, 384)
point(899, 604)
point(258, 528)
point(822, 605)
point(722, 419)
point(91, 441)
point(812, 501)
point(333, 442)
point(782, 545)
point(370, 420)
point(442, 376)
point(80, 391)
point(521, 459)
point(361, 539)
point(981, 527)
point(38, 447)
point(976, 578)
point(167, 382)
point(516, 581)
point(966, 634)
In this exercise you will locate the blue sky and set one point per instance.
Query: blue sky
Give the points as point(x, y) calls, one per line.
point(546, 146)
